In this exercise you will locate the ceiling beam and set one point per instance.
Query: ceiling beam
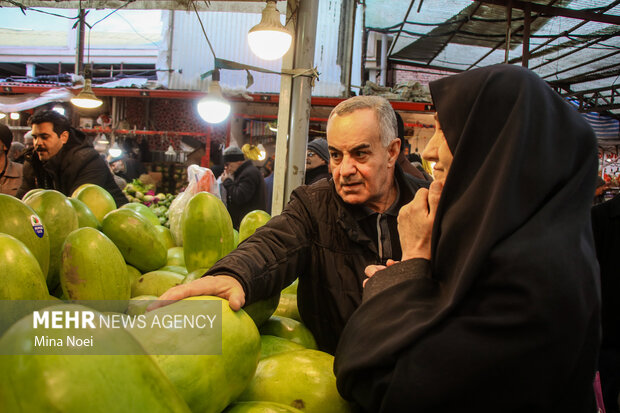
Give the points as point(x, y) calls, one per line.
point(557, 11)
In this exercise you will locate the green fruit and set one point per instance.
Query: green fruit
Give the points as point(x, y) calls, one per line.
point(137, 305)
point(30, 193)
point(94, 269)
point(82, 383)
point(155, 283)
point(175, 256)
point(174, 268)
point(292, 288)
point(260, 311)
point(22, 278)
point(303, 379)
point(96, 198)
point(287, 307)
point(260, 407)
point(194, 275)
point(251, 222)
point(60, 219)
point(208, 383)
point(290, 329)
point(86, 218)
point(165, 236)
point(136, 238)
point(144, 211)
point(133, 274)
point(236, 237)
point(270, 345)
point(19, 220)
point(207, 231)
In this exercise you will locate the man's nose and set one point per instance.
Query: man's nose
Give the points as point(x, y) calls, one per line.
point(347, 166)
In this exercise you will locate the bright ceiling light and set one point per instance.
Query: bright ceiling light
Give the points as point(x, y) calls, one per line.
point(86, 98)
point(269, 39)
point(170, 151)
point(2, 115)
point(115, 151)
point(262, 152)
point(213, 108)
point(14, 115)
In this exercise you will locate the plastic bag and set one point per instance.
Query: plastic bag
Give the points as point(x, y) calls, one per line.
point(200, 180)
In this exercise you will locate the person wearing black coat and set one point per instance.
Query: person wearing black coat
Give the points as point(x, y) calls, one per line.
point(244, 185)
point(495, 306)
point(329, 231)
point(63, 159)
point(606, 227)
point(317, 160)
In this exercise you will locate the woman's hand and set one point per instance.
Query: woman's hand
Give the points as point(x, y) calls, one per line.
point(415, 222)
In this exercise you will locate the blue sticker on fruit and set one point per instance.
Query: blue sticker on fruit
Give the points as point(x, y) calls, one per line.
point(37, 226)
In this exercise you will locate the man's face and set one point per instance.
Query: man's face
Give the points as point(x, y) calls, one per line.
point(46, 142)
point(362, 168)
point(231, 167)
point(313, 160)
point(118, 166)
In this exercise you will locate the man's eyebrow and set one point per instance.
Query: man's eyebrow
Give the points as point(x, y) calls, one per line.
point(356, 148)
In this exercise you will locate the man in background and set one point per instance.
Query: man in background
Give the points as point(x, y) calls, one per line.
point(63, 159)
point(244, 184)
point(317, 159)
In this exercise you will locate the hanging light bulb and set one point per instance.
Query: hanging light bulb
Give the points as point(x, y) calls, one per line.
point(115, 151)
point(262, 153)
point(213, 108)
point(86, 98)
point(170, 151)
point(269, 39)
point(103, 140)
point(14, 115)
point(2, 115)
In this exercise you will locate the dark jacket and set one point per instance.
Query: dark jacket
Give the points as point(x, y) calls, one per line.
point(316, 239)
point(245, 193)
point(75, 164)
point(315, 174)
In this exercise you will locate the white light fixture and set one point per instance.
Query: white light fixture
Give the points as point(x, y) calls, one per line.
point(273, 127)
point(59, 109)
point(86, 98)
point(269, 39)
point(103, 140)
point(170, 151)
point(14, 115)
point(2, 115)
point(213, 108)
point(115, 151)
point(262, 152)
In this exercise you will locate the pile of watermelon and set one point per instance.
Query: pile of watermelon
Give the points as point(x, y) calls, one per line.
point(82, 247)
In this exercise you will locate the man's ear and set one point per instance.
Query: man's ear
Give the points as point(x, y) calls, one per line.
point(393, 151)
point(64, 137)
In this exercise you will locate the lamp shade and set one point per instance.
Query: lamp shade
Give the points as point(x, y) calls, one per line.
point(269, 39)
point(213, 108)
point(115, 151)
point(86, 98)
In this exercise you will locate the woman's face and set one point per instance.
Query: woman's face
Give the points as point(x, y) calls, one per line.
point(437, 151)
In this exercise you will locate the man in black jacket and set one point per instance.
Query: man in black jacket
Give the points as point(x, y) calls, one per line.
point(63, 159)
point(317, 159)
point(244, 185)
point(329, 232)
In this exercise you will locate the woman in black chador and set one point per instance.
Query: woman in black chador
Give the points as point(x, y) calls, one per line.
point(495, 306)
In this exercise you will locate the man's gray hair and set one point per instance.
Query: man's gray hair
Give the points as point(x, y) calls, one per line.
point(388, 129)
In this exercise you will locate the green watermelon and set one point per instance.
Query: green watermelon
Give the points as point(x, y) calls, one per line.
point(270, 345)
point(143, 210)
point(82, 383)
point(98, 200)
point(137, 305)
point(60, 219)
point(86, 218)
point(136, 238)
point(260, 311)
point(94, 269)
point(207, 231)
point(31, 192)
point(155, 283)
point(194, 275)
point(290, 329)
point(175, 256)
point(287, 307)
point(22, 278)
point(303, 379)
point(19, 220)
point(260, 407)
point(174, 268)
point(165, 236)
point(133, 274)
point(251, 222)
point(235, 238)
point(208, 383)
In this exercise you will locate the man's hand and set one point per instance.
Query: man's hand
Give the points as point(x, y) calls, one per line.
point(372, 270)
point(415, 222)
point(222, 286)
point(225, 175)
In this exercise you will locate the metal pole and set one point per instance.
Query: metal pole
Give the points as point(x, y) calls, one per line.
point(79, 47)
point(349, 21)
point(525, 56)
point(508, 29)
point(384, 55)
point(302, 94)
